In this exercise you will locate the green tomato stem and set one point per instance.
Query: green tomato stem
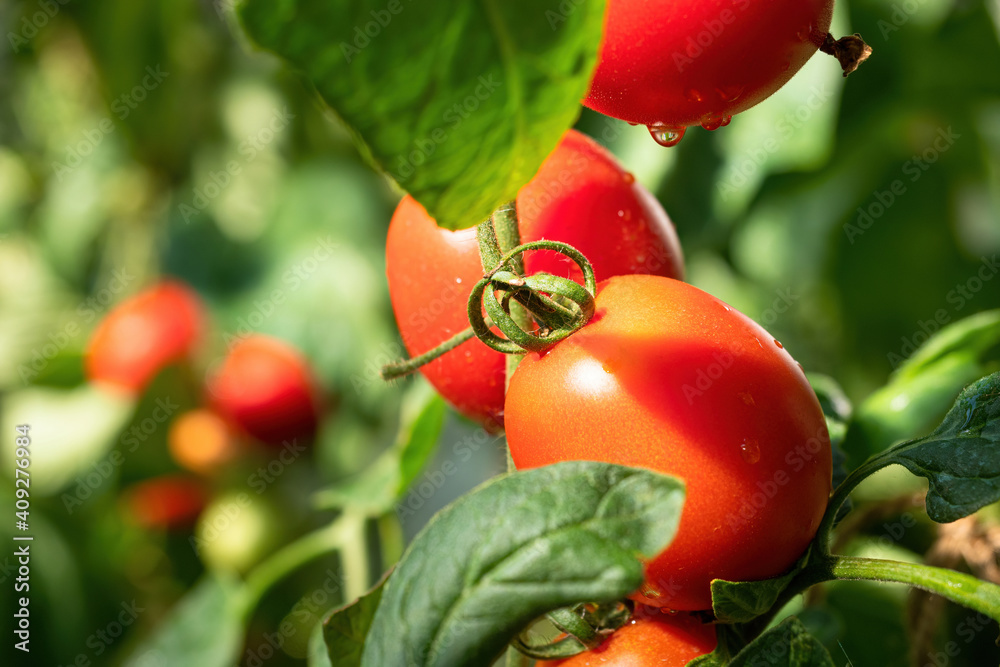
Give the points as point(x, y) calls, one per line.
point(340, 534)
point(961, 588)
point(407, 366)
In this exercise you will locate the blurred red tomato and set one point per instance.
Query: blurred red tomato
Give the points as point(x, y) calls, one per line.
point(265, 388)
point(171, 501)
point(143, 334)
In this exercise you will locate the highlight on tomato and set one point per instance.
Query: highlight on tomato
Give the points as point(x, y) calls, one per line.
point(667, 377)
point(670, 64)
point(142, 335)
point(265, 388)
point(581, 196)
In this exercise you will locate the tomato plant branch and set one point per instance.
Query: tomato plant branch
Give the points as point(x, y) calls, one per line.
point(961, 588)
point(347, 528)
point(400, 368)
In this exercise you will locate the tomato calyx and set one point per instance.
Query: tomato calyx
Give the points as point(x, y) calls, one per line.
point(583, 627)
point(850, 51)
point(534, 312)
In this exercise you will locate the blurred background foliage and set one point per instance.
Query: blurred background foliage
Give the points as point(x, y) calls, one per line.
point(142, 139)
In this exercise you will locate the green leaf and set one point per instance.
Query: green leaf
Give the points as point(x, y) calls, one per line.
point(961, 458)
point(922, 388)
point(742, 601)
point(460, 102)
point(345, 629)
point(515, 548)
point(788, 644)
point(377, 489)
point(204, 629)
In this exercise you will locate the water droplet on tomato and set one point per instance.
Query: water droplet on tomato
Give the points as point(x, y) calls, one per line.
point(629, 178)
point(621, 213)
point(693, 95)
point(778, 343)
point(666, 136)
point(750, 450)
point(803, 34)
point(730, 93)
point(726, 120)
point(632, 124)
point(458, 280)
point(712, 121)
point(746, 397)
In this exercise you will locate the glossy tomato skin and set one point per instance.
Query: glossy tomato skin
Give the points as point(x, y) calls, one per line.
point(580, 196)
point(143, 334)
point(670, 378)
point(693, 62)
point(264, 388)
point(650, 639)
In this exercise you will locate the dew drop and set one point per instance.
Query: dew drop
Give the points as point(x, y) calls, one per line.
point(621, 213)
point(730, 93)
point(693, 95)
point(666, 136)
point(726, 120)
point(803, 34)
point(632, 124)
point(712, 121)
point(746, 397)
point(750, 450)
point(629, 178)
point(778, 343)
point(458, 280)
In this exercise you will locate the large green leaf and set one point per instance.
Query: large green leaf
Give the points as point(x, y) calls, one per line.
point(923, 386)
point(345, 629)
point(204, 629)
point(961, 458)
point(515, 548)
point(458, 101)
point(787, 645)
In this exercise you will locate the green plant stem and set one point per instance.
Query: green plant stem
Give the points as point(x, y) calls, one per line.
point(824, 534)
point(960, 588)
point(337, 535)
point(517, 659)
point(407, 366)
point(390, 534)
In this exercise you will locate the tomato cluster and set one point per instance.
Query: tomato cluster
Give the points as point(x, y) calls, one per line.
point(580, 196)
point(262, 391)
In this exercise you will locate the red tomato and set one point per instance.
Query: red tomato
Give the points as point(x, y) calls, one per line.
point(580, 196)
point(670, 378)
point(650, 638)
point(143, 334)
point(264, 387)
point(675, 63)
point(171, 501)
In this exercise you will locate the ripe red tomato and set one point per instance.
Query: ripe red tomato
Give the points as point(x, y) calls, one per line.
point(580, 196)
point(650, 638)
point(670, 378)
point(264, 387)
point(170, 501)
point(675, 63)
point(143, 334)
